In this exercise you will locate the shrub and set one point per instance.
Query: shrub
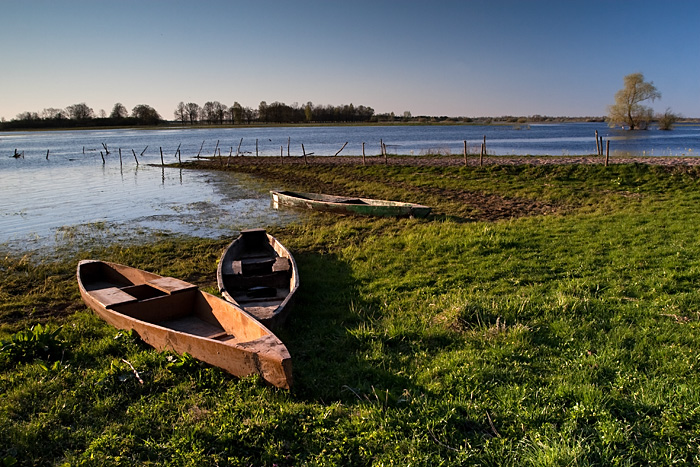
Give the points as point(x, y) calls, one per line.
point(38, 342)
point(667, 119)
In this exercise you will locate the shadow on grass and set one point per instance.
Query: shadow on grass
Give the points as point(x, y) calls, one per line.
point(329, 361)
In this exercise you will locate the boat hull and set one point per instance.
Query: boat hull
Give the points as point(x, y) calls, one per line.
point(257, 273)
point(169, 314)
point(348, 205)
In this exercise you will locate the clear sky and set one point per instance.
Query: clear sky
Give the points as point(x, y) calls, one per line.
point(454, 58)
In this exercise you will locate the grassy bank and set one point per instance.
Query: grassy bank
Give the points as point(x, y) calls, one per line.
point(543, 316)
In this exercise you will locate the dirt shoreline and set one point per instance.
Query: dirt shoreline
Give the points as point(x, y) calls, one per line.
point(439, 161)
point(481, 206)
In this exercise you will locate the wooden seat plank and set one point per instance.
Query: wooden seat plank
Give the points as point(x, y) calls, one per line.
point(171, 285)
point(111, 296)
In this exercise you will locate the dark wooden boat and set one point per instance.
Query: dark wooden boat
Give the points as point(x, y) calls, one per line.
point(259, 274)
point(348, 205)
point(168, 313)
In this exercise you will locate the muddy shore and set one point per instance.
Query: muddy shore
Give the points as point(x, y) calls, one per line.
point(438, 161)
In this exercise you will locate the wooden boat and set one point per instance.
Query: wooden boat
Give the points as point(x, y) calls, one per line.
point(348, 205)
point(259, 274)
point(168, 313)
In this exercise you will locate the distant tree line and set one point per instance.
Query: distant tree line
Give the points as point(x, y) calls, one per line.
point(81, 115)
point(211, 113)
point(216, 113)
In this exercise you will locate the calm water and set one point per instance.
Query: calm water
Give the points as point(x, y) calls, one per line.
point(73, 195)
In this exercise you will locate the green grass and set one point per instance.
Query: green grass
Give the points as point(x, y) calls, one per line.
point(562, 339)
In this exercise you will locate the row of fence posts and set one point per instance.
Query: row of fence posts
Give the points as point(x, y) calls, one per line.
point(107, 152)
point(482, 153)
point(382, 146)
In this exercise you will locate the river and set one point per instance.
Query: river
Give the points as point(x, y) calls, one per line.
point(68, 186)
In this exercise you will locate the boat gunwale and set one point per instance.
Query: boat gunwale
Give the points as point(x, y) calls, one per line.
point(368, 207)
point(281, 251)
point(278, 352)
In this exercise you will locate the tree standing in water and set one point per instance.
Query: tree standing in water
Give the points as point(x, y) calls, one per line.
point(627, 110)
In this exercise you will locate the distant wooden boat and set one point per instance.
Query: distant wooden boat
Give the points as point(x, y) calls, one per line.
point(259, 274)
point(168, 313)
point(348, 205)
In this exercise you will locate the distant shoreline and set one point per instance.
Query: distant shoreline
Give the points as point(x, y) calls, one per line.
point(499, 121)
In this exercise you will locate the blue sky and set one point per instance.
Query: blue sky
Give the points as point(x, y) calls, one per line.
point(455, 58)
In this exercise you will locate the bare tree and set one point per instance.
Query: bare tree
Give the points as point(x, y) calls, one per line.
point(208, 113)
point(192, 111)
point(27, 116)
point(145, 114)
point(218, 112)
point(627, 110)
point(118, 111)
point(80, 111)
point(53, 114)
point(180, 112)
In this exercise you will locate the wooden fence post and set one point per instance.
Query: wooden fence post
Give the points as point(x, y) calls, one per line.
point(346, 143)
point(465, 152)
point(607, 152)
point(597, 143)
point(363, 154)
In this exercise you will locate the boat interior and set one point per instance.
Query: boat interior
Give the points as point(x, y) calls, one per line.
point(164, 301)
point(326, 198)
point(254, 274)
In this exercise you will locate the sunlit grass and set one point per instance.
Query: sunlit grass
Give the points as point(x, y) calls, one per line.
point(566, 339)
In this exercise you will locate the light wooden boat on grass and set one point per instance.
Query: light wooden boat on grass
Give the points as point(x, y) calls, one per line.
point(259, 274)
point(168, 313)
point(348, 205)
